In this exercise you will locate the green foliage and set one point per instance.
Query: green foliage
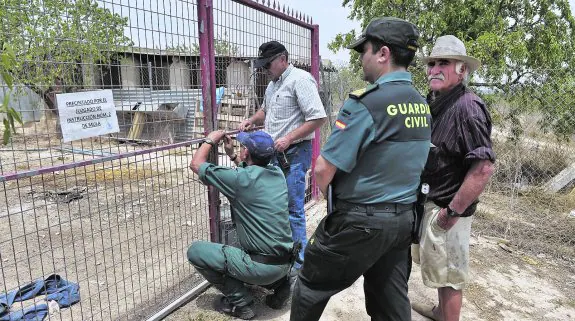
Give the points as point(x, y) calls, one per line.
point(339, 84)
point(51, 37)
point(551, 98)
point(222, 47)
point(7, 61)
point(525, 46)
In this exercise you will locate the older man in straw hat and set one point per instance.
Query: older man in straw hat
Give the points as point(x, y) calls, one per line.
point(459, 166)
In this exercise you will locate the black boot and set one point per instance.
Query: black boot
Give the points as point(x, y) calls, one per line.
point(244, 312)
point(281, 293)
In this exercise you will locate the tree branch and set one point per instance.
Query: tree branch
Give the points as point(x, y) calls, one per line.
point(487, 84)
point(519, 76)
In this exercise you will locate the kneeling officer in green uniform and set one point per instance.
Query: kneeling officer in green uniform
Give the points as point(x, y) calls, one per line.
point(373, 159)
point(258, 196)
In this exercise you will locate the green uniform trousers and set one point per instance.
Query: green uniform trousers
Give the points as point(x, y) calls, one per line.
point(347, 245)
point(228, 268)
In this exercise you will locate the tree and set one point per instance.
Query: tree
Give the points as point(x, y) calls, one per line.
point(53, 39)
point(522, 43)
point(342, 82)
point(7, 60)
point(222, 47)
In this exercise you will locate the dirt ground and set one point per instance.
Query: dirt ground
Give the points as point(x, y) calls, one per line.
point(119, 229)
point(504, 286)
point(124, 242)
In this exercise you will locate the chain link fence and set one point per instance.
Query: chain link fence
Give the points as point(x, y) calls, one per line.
point(531, 196)
point(114, 213)
point(242, 87)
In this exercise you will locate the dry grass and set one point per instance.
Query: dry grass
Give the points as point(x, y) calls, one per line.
point(536, 221)
point(89, 175)
point(516, 205)
point(529, 163)
point(121, 174)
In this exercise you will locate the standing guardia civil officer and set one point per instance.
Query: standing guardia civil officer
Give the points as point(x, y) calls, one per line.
point(373, 159)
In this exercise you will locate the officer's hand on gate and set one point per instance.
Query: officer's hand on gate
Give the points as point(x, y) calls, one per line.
point(246, 124)
point(228, 145)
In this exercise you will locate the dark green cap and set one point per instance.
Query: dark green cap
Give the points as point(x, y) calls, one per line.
point(390, 30)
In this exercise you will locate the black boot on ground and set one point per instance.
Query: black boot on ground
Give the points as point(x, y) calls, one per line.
point(282, 293)
point(244, 312)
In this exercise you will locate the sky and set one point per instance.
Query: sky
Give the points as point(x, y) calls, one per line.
point(165, 24)
point(332, 19)
point(169, 23)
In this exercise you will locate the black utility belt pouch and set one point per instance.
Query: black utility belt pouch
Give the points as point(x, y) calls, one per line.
point(283, 160)
point(418, 213)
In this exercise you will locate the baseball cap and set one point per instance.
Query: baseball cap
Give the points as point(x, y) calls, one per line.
point(390, 30)
point(267, 52)
point(259, 143)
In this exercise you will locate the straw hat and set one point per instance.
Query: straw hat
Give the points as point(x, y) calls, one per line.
point(450, 47)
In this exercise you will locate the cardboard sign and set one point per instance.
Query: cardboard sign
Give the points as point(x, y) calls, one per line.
point(87, 114)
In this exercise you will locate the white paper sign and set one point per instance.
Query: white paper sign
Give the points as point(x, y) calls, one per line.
point(87, 114)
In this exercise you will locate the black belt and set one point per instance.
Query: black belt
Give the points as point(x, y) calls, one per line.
point(270, 259)
point(371, 209)
point(297, 144)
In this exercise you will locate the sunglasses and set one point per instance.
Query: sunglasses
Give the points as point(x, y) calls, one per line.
point(269, 63)
point(440, 62)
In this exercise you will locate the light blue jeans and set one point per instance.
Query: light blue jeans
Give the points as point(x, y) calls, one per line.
point(299, 156)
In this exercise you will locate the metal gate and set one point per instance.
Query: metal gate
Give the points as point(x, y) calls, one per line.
point(115, 213)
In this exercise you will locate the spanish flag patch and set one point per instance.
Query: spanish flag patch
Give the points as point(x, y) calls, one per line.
point(339, 124)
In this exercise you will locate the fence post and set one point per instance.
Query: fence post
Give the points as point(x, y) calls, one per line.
point(315, 63)
point(150, 76)
point(208, 80)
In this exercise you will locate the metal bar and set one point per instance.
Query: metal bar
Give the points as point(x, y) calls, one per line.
point(207, 57)
point(180, 301)
point(207, 67)
point(129, 212)
point(51, 169)
point(315, 62)
point(275, 13)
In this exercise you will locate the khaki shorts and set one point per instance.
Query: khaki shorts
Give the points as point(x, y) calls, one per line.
point(443, 255)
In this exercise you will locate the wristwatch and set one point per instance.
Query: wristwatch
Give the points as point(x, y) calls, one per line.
point(451, 213)
point(210, 142)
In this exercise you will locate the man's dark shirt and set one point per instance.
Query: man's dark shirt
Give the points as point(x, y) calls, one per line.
point(460, 134)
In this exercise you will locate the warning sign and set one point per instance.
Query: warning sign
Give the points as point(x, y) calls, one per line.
point(87, 114)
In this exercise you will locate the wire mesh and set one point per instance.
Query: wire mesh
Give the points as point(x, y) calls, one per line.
point(534, 181)
point(239, 31)
point(115, 213)
point(118, 228)
point(531, 196)
point(530, 132)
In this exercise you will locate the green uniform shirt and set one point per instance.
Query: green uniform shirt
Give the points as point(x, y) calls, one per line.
point(259, 202)
point(380, 142)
